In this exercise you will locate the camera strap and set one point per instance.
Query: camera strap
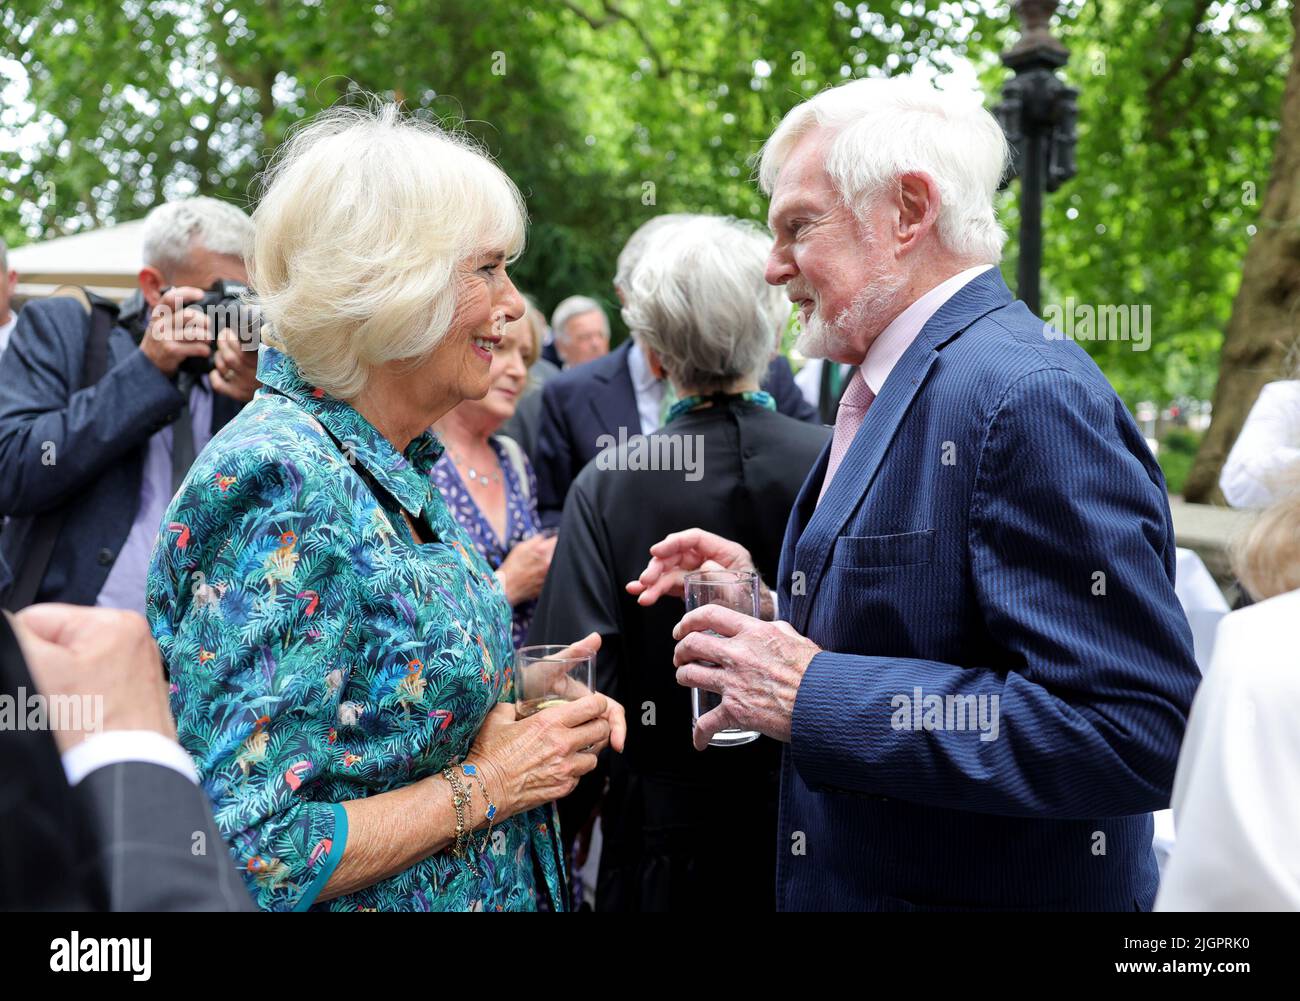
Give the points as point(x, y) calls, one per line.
point(183, 453)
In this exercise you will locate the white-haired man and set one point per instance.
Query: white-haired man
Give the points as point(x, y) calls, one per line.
point(982, 675)
point(98, 421)
point(581, 330)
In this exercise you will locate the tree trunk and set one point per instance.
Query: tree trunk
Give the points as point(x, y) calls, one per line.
point(1261, 339)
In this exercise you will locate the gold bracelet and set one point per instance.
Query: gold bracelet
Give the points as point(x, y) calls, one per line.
point(460, 798)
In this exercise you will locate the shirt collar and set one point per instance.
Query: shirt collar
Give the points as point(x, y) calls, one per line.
point(643, 380)
point(896, 338)
point(405, 476)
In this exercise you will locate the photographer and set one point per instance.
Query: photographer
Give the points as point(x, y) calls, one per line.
point(91, 460)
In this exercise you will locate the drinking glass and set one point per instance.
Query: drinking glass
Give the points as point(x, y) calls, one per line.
point(736, 589)
point(549, 675)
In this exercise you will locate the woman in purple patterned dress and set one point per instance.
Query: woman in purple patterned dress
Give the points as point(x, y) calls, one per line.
point(488, 482)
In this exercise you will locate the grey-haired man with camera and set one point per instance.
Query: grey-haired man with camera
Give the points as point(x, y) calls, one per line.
point(102, 410)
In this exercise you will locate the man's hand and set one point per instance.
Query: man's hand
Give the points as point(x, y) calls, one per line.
point(101, 654)
point(176, 332)
point(236, 372)
point(683, 552)
point(755, 666)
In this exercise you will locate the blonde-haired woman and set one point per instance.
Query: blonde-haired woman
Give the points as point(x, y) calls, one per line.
point(340, 656)
point(1235, 799)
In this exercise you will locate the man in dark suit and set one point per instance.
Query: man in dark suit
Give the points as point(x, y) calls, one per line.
point(982, 673)
point(582, 406)
point(90, 463)
point(100, 808)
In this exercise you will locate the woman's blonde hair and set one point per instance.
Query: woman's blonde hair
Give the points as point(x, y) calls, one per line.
point(366, 215)
point(1266, 557)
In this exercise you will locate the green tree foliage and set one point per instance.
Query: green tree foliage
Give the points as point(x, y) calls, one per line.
point(607, 112)
point(1178, 111)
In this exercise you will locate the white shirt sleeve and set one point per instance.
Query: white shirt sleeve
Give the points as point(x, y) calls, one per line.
point(1254, 474)
point(114, 746)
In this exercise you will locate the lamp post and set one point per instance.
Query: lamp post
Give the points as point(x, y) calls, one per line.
point(1038, 114)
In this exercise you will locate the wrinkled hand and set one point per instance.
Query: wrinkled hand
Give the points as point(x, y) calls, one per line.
point(235, 374)
point(533, 761)
point(672, 558)
point(755, 666)
point(103, 655)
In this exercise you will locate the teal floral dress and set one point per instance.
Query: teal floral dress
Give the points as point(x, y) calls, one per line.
point(319, 653)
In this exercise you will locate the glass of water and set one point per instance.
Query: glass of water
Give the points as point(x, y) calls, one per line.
point(736, 589)
point(550, 675)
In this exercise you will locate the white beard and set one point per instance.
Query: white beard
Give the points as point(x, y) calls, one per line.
point(878, 298)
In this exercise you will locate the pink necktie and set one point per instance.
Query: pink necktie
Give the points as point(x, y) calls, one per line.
point(853, 408)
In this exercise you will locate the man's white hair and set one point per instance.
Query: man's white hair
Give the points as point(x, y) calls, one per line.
point(366, 218)
point(174, 229)
point(881, 128)
point(698, 298)
point(630, 255)
point(571, 308)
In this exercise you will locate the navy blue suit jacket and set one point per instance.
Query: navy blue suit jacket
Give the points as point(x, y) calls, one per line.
point(998, 528)
point(63, 445)
point(581, 404)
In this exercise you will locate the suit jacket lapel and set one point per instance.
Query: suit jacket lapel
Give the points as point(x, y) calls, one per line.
point(799, 515)
point(853, 479)
point(614, 399)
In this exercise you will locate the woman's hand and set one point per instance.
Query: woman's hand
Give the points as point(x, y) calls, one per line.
point(524, 569)
point(532, 761)
point(528, 762)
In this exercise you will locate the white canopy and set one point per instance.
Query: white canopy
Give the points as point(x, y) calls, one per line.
point(106, 261)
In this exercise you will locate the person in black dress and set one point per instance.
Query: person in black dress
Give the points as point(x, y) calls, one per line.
point(682, 830)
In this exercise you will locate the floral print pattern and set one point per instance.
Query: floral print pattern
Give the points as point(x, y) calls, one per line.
point(319, 653)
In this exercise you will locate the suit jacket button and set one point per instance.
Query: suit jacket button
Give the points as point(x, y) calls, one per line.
point(105, 557)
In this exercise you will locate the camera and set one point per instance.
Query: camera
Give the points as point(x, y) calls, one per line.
point(225, 307)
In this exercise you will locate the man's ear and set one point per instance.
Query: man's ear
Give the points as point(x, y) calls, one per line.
point(918, 209)
point(152, 284)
